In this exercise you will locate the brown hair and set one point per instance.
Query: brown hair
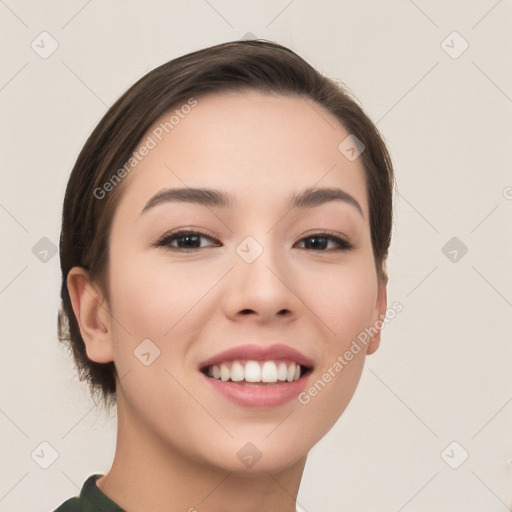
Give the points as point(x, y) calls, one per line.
point(255, 64)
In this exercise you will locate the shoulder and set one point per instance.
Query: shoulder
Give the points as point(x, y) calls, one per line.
point(91, 499)
point(71, 505)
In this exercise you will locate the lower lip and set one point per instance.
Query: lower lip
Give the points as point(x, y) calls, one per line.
point(259, 396)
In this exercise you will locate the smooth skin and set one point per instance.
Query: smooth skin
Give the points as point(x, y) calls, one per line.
point(177, 438)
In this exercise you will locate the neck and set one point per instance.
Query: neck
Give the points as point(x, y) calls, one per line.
point(149, 474)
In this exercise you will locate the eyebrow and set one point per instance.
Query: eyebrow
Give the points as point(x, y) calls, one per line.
point(308, 198)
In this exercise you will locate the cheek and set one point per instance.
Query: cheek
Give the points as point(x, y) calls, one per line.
point(327, 396)
point(160, 302)
point(151, 299)
point(344, 299)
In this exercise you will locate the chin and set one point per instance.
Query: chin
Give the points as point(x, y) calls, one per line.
point(259, 454)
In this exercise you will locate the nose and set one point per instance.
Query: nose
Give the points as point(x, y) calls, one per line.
point(261, 289)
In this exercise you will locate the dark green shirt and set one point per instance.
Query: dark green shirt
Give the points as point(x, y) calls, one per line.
point(91, 499)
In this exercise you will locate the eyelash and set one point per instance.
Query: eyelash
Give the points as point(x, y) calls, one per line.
point(166, 239)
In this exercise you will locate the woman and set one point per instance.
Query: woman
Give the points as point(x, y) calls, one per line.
point(224, 239)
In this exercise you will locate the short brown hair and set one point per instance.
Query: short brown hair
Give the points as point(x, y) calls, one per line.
point(238, 65)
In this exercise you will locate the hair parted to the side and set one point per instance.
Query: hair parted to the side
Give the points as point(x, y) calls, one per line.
point(255, 64)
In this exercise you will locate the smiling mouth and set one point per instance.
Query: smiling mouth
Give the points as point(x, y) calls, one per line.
point(257, 373)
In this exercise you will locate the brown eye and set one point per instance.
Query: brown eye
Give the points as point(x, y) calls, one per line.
point(320, 241)
point(183, 241)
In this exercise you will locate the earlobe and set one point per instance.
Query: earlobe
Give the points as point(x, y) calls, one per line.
point(92, 314)
point(380, 314)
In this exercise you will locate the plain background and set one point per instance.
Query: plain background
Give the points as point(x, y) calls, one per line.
point(439, 386)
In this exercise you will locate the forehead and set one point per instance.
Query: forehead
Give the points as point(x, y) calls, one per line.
point(249, 143)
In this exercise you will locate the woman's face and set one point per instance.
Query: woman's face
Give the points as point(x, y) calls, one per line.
point(258, 271)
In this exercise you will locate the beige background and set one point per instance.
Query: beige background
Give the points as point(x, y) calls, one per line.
point(442, 373)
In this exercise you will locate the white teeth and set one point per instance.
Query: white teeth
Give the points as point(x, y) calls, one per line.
point(224, 372)
point(269, 372)
point(255, 371)
point(237, 372)
point(282, 371)
point(291, 373)
point(252, 371)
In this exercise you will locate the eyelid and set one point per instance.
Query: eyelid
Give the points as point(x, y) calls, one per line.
point(182, 231)
point(344, 242)
point(328, 233)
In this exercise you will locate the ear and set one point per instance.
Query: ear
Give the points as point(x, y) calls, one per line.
point(92, 314)
point(379, 314)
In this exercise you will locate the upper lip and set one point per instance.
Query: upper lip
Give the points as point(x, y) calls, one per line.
point(258, 353)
